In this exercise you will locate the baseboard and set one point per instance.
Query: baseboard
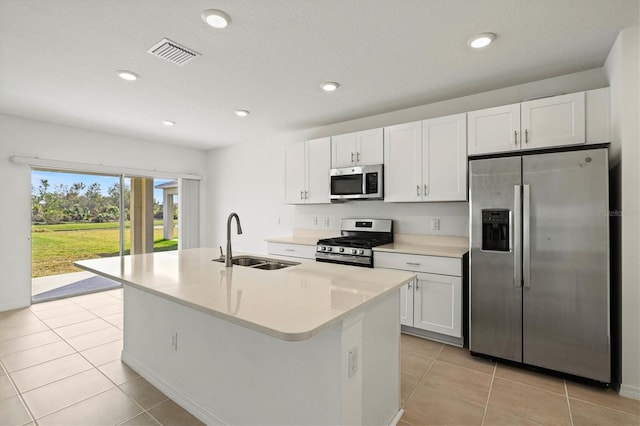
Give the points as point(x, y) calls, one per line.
point(193, 407)
point(397, 417)
point(13, 306)
point(628, 391)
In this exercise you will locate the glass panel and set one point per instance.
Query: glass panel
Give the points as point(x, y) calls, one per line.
point(346, 185)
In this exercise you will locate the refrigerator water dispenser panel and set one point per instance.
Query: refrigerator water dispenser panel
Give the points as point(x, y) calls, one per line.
point(495, 229)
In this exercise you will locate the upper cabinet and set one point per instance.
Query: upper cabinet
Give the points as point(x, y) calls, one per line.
point(426, 160)
point(306, 172)
point(357, 149)
point(572, 119)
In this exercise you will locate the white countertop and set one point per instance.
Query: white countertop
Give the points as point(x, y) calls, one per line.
point(293, 303)
point(429, 245)
point(304, 237)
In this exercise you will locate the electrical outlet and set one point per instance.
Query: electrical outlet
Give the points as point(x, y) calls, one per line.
point(353, 361)
point(174, 340)
point(326, 222)
point(435, 224)
point(315, 220)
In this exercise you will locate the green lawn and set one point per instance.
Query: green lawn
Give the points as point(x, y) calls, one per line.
point(54, 248)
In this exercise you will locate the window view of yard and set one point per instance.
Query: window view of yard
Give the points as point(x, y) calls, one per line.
point(76, 216)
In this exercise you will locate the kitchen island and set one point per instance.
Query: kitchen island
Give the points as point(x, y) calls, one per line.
point(313, 343)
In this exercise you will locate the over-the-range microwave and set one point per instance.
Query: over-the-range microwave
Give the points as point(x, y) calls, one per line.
point(357, 183)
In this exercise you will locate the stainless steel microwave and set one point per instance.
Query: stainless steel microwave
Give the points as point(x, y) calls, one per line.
point(357, 183)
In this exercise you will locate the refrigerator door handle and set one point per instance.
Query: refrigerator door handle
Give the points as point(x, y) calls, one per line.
point(516, 232)
point(526, 235)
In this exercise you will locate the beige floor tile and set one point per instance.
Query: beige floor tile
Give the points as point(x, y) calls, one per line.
point(20, 330)
point(402, 423)
point(108, 408)
point(414, 365)
point(6, 387)
point(529, 402)
point(13, 412)
point(63, 393)
point(418, 346)
point(407, 385)
point(531, 378)
point(30, 357)
point(50, 371)
point(95, 338)
point(115, 319)
point(117, 293)
point(169, 413)
point(493, 417)
point(606, 397)
point(585, 413)
point(143, 392)
point(462, 357)
point(45, 306)
point(58, 312)
point(427, 406)
point(118, 372)
point(74, 318)
point(97, 300)
point(143, 419)
point(27, 342)
point(80, 328)
point(459, 381)
point(16, 317)
point(104, 353)
point(108, 310)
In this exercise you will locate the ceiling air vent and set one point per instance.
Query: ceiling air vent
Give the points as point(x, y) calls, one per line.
point(172, 52)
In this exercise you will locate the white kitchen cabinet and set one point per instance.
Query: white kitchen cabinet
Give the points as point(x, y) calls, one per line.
point(291, 250)
point(539, 123)
point(357, 149)
point(426, 160)
point(306, 175)
point(433, 301)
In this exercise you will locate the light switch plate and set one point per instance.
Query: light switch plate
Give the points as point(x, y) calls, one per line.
point(435, 224)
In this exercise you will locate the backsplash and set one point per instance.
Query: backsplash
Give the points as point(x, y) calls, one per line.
point(409, 218)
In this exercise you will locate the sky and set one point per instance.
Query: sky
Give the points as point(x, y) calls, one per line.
point(68, 179)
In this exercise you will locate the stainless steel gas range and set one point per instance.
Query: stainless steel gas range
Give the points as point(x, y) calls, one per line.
point(355, 245)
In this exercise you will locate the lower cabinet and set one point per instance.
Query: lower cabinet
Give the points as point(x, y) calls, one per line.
point(293, 250)
point(433, 301)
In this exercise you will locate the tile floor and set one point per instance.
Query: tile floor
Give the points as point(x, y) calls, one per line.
point(60, 366)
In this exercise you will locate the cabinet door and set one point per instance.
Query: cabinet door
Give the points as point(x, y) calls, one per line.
point(438, 304)
point(444, 156)
point(343, 150)
point(318, 162)
point(554, 121)
point(406, 304)
point(494, 129)
point(403, 162)
point(370, 147)
point(294, 173)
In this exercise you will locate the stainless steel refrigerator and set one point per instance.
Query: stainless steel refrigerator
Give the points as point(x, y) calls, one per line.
point(539, 261)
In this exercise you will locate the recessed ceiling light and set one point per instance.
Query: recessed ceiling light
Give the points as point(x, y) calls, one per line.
point(481, 40)
point(127, 75)
point(216, 18)
point(168, 123)
point(329, 86)
point(241, 112)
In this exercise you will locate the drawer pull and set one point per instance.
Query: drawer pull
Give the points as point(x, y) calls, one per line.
point(413, 263)
point(289, 250)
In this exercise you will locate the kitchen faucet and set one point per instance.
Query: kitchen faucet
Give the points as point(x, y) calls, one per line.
point(227, 261)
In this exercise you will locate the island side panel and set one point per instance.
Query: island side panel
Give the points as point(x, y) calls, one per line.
point(227, 374)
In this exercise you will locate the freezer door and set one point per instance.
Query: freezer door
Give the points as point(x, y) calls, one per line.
point(566, 266)
point(495, 284)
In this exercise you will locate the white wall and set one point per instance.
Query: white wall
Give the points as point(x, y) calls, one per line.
point(623, 71)
point(249, 179)
point(20, 136)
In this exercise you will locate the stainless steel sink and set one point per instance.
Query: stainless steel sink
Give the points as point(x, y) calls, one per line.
point(260, 262)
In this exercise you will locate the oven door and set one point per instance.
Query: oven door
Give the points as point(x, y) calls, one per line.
point(356, 183)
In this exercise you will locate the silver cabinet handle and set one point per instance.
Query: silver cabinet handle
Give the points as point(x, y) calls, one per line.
point(306, 195)
point(526, 234)
point(516, 232)
point(526, 135)
point(413, 264)
point(426, 190)
point(515, 137)
point(417, 190)
point(409, 286)
point(289, 249)
point(357, 157)
point(417, 286)
point(352, 157)
point(301, 194)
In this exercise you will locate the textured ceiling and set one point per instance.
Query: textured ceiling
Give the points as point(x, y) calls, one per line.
point(58, 59)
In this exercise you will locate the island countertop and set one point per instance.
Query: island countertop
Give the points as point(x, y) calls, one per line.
point(293, 303)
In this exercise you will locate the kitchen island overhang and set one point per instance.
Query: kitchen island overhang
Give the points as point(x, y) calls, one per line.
point(314, 343)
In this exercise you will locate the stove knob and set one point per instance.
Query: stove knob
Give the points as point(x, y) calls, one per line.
point(360, 251)
point(323, 248)
point(329, 249)
point(341, 249)
point(354, 251)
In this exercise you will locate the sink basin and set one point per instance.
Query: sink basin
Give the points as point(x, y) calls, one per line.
point(259, 262)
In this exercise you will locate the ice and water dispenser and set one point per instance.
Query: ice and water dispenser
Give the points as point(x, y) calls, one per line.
point(495, 229)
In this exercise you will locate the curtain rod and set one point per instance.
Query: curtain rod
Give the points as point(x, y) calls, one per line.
point(73, 166)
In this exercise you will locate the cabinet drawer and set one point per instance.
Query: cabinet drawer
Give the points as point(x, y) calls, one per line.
point(293, 250)
point(417, 263)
